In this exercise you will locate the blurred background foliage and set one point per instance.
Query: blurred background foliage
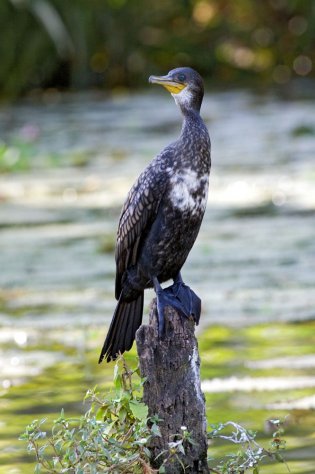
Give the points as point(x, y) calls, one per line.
point(117, 43)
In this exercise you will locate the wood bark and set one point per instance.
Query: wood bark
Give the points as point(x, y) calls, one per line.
point(172, 390)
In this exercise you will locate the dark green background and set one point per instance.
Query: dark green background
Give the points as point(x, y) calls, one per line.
point(118, 43)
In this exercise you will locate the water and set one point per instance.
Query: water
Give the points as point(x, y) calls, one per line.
point(253, 263)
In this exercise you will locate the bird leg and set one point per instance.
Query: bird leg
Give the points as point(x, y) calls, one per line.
point(180, 297)
point(161, 301)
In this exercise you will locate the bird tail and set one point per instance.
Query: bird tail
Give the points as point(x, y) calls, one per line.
point(121, 334)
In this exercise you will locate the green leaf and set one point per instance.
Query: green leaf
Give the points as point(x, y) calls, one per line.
point(117, 377)
point(147, 452)
point(192, 442)
point(118, 382)
point(107, 429)
point(37, 469)
point(139, 409)
point(122, 414)
point(180, 448)
point(100, 413)
point(155, 430)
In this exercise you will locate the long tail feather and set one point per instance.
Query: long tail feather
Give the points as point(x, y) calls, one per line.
point(121, 334)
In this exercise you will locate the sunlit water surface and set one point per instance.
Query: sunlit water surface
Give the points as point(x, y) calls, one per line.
point(74, 159)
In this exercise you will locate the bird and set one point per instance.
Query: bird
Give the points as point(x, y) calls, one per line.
point(160, 220)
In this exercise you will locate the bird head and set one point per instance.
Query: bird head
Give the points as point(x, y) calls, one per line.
point(185, 85)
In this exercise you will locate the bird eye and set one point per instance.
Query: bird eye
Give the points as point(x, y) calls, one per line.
point(181, 77)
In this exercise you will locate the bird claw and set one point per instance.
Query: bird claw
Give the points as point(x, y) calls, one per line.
point(184, 300)
point(180, 297)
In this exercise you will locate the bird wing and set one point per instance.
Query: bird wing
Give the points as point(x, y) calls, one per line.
point(137, 216)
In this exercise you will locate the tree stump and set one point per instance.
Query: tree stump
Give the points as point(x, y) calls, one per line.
point(172, 390)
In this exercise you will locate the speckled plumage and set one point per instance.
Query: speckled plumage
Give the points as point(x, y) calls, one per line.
point(161, 217)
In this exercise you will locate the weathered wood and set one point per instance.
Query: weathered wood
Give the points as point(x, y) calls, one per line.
point(172, 389)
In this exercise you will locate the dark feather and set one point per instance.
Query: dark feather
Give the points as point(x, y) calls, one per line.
point(138, 213)
point(126, 320)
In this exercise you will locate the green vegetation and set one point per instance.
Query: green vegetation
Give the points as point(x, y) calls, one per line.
point(115, 43)
point(22, 155)
point(114, 436)
point(110, 437)
point(15, 156)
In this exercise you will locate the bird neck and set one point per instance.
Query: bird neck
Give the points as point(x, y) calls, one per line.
point(191, 121)
point(189, 110)
point(191, 114)
point(188, 102)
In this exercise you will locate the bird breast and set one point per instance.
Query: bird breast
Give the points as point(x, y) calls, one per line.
point(189, 191)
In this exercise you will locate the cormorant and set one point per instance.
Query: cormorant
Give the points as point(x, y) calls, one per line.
point(160, 220)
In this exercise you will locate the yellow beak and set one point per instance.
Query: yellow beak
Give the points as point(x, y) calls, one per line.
point(165, 81)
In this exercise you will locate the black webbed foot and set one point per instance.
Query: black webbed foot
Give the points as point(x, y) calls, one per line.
point(184, 300)
point(180, 297)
